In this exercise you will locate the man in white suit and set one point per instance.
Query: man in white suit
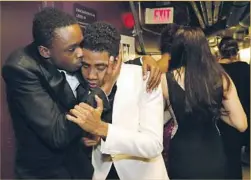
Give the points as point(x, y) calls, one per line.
point(127, 142)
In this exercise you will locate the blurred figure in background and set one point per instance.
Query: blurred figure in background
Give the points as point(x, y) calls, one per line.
point(240, 74)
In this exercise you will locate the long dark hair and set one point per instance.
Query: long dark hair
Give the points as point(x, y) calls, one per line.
point(203, 74)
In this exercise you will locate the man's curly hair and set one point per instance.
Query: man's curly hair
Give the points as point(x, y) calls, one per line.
point(46, 22)
point(102, 37)
point(166, 38)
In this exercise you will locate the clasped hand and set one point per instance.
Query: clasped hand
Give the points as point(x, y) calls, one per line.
point(89, 119)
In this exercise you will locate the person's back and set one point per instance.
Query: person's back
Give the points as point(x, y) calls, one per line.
point(197, 87)
point(197, 141)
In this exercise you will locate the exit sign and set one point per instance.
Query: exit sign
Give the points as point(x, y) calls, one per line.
point(159, 15)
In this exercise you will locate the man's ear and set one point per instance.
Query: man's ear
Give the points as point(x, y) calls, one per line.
point(44, 52)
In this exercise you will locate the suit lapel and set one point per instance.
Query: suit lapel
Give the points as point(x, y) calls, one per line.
point(118, 102)
point(60, 87)
point(54, 80)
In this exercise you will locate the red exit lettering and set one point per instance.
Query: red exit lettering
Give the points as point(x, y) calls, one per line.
point(161, 14)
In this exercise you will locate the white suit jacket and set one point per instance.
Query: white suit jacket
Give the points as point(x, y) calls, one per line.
point(134, 140)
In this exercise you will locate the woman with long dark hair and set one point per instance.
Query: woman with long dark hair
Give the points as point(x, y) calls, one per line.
point(201, 94)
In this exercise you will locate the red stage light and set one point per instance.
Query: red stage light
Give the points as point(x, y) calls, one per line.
point(128, 20)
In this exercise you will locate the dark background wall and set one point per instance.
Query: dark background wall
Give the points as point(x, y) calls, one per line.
point(15, 32)
point(106, 11)
point(16, 18)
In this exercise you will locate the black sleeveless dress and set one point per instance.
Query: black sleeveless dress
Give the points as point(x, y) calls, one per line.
point(196, 150)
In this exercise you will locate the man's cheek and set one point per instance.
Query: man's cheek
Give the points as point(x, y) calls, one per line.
point(102, 78)
point(65, 61)
point(84, 73)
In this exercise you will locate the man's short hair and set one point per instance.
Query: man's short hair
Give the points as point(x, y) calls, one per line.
point(102, 37)
point(46, 22)
point(228, 47)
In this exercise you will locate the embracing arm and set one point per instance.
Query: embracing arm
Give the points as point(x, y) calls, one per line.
point(163, 63)
point(37, 108)
point(148, 63)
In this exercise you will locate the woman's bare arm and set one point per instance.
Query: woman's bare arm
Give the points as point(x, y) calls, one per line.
point(235, 115)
